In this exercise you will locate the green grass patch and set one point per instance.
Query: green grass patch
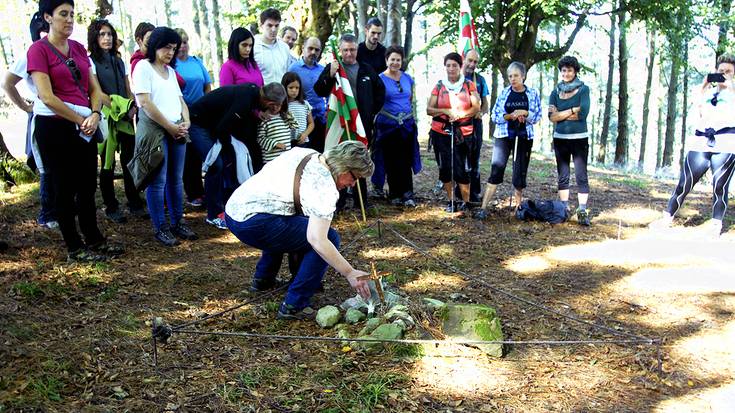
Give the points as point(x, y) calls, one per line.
point(408, 351)
point(109, 293)
point(128, 324)
point(631, 181)
point(28, 289)
point(271, 306)
point(21, 331)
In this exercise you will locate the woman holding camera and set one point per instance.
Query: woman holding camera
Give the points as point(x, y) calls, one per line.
point(712, 146)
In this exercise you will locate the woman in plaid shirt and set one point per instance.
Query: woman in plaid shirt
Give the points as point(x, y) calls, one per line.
point(515, 111)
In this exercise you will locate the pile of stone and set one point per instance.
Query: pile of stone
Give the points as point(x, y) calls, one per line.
point(459, 321)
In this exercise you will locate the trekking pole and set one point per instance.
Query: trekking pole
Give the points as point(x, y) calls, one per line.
point(451, 137)
point(512, 191)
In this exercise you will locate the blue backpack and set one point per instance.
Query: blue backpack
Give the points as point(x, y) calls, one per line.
point(553, 212)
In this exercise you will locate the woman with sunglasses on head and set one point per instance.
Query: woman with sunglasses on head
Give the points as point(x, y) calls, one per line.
point(65, 130)
point(712, 146)
point(112, 74)
point(396, 136)
point(163, 121)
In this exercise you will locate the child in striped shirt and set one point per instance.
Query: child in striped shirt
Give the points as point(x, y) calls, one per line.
point(277, 132)
point(298, 107)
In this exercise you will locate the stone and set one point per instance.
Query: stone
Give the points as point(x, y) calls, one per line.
point(401, 323)
point(370, 325)
point(343, 334)
point(473, 322)
point(359, 303)
point(328, 316)
point(400, 312)
point(434, 305)
point(387, 331)
point(354, 316)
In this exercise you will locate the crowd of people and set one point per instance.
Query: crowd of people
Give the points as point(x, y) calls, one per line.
point(259, 138)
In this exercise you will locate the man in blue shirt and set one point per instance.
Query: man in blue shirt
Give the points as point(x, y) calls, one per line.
point(309, 69)
point(471, 59)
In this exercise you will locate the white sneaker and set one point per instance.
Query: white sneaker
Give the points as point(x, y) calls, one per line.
point(663, 222)
point(50, 224)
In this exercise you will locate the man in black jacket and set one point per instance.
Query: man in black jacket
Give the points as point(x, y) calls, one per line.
point(368, 89)
point(220, 114)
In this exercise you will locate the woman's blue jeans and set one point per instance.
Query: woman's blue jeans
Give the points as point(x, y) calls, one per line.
point(276, 235)
point(168, 182)
point(213, 181)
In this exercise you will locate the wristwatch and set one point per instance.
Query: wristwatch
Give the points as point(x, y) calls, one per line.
point(97, 112)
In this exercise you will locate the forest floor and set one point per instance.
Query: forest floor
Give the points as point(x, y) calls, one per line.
point(77, 337)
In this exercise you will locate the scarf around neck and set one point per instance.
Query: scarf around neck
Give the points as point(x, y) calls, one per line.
point(564, 87)
point(453, 87)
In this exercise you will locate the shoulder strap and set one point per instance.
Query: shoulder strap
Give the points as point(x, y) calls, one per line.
point(63, 62)
point(297, 183)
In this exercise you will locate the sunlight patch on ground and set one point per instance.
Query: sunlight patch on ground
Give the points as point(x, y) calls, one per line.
point(720, 399)
point(442, 251)
point(528, 264)
point(630, 215)
point(388, 253)
point(698, 279)
point(711, 351)
point(432, 280)
point(459, 371)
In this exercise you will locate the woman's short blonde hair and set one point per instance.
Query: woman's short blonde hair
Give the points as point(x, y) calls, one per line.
point(350, 156)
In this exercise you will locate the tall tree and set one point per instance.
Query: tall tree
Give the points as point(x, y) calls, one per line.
point(2, 51)
point(685, 104)
point(672, 92)
point(382, 6)
point(197, 18)
point(621, 143)
point(394, 16)
point(647, 95)
point(602, 151)
point(206, 37)
point(167, 11)
point(218, 45)
point(362, 9)
point(724, 26)
point(660, 140)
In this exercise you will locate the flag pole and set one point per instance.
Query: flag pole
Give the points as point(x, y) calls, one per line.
point(349, 137)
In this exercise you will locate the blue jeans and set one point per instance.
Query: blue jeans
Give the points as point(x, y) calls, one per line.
point(46, 192)
point(276, 235)
point(213, 181)
point(168, 181)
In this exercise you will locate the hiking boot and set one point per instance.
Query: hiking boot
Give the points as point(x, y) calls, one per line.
point(410, 203)
point(377, 193)
point(181, 230)
point(260, 285)
point(52, 224)
point(583, 217)
point(109, 249)
point(165, 237)
point(217, 222)
point(456, 207)
point(85, 255)
point(287, 312)
point(116, 217)
point(196, 203)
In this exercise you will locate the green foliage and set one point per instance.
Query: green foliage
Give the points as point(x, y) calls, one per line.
point(28, 289)
point(252, 9)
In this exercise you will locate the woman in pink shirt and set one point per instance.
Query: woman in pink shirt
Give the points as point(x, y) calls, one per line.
point(240, 66)
point(65, 130)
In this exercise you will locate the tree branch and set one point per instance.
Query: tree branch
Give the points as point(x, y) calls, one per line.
point(558, 52)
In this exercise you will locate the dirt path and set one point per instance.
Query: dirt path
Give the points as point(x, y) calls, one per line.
point(75, 338)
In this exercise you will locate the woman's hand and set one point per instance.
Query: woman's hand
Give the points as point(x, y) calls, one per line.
point(361, 286)
point(89, 124)
point(303, 138)
point(280, 146)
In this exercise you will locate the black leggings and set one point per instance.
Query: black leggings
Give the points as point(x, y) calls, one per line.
point(565, 150)
point(107, 176)
point(72, 164)
point(692, 170)
point(501, 152)
point(443, 152)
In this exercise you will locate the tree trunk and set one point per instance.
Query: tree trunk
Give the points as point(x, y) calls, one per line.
point(217, 38)
point(685, 104)
point(647, 95)
point(408, 38)
point(602, 151)
point(383, 11)
point(167, 11)
point(2, 50)
point(321, 22)
point(660, 129)
point(673, 89)
point(362, 7)
point(205, 39)
point(621, 143)
point(393, 26)
point(197, 19)
point(723, 28)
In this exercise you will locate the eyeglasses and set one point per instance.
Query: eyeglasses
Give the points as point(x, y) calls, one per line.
point(400, 88)
point(75, 72)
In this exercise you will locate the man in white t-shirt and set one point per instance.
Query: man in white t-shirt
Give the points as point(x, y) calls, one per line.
point(271, 53)
point(272, 213)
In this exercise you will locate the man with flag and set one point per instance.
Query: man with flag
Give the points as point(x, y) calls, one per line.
point(356, 95)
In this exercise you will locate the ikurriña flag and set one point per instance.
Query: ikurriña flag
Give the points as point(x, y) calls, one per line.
point(467, 34)
point(343, 119)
